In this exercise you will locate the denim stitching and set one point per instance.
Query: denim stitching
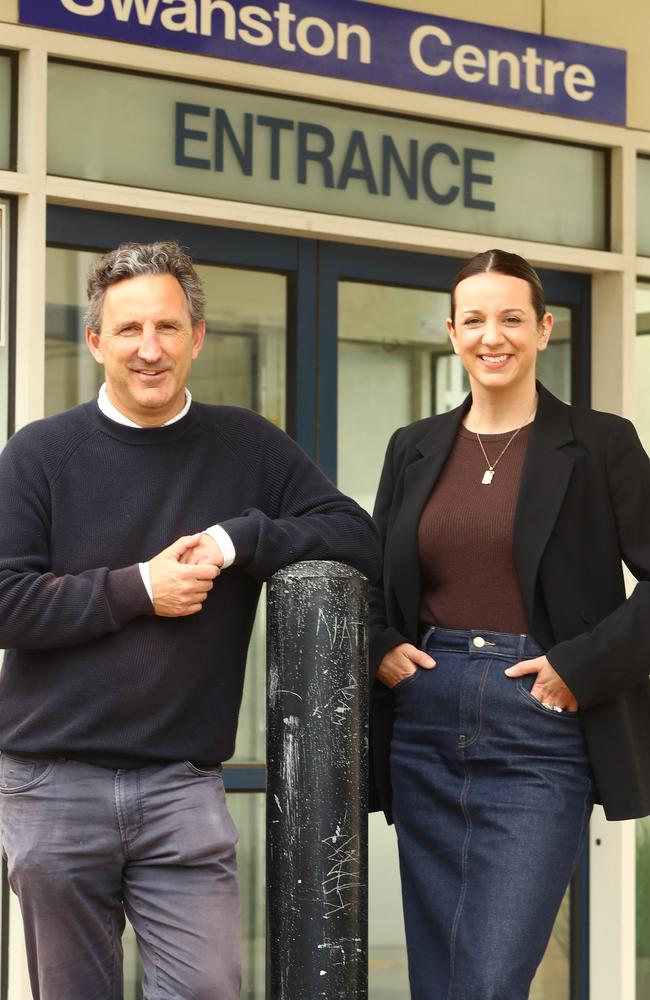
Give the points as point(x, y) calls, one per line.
point(539, 707)
point(119, 814)
point(114, 985)
point(464, 795)
point(481, 690)
point(586, 812)
point(138, 802)
point(405, 682)
point(32, 783)
point(155, 963)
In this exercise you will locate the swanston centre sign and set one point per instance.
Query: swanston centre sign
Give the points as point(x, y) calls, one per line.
point(361, 41)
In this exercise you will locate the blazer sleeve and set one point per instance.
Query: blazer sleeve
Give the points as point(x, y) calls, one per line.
point(599, 665)
point(383, 636)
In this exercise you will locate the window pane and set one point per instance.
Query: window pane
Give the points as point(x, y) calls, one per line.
point(243, 363)
point(6, 98)
point(643, 907)
point(5, 221)
point(395, 366)
point(642, 366)
point(642, 421)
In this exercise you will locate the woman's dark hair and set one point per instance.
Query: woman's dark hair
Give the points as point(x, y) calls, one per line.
point(502, 262)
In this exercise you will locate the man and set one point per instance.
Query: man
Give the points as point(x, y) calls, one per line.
point(123, 676)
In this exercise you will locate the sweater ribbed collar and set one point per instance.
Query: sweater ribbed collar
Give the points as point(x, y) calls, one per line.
point(142, 435)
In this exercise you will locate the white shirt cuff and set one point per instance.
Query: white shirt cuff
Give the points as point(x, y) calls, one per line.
point(224, 541)
point(145, 573)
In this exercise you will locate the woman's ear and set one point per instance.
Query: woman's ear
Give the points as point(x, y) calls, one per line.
point(452, 336)
point(545, 328)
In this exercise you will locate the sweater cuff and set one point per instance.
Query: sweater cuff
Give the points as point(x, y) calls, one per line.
point(127, 595)
point(243, 534)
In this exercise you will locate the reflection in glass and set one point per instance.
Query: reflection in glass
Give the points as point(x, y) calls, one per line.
point(642, 366)
point(243, 363)
point(6, 100)
point(5, 222)
point(642, 422)
point(643, 907)
point(396, 366)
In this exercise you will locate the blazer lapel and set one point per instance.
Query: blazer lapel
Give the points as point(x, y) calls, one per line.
point(421, 473)
point(545, 478)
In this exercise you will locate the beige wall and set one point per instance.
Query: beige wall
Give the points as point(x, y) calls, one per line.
point(594, 21)
point(8, 12)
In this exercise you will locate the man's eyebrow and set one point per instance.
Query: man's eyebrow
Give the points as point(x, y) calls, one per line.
point(124, 324)
point(164, 321)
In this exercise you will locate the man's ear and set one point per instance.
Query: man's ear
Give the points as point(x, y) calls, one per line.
point(198, 336)
point(93, 340)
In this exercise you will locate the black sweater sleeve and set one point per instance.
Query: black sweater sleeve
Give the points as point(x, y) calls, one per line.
point(300, 514)
point(37, 608)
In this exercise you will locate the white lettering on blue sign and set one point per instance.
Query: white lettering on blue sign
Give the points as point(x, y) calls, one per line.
point(253, 24)
point(368, 43)
point(474, 65)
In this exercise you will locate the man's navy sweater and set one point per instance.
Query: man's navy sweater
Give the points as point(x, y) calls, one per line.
point(90, 671)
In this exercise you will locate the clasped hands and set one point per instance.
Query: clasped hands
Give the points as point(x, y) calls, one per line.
point(182, 575)
point(549, 688)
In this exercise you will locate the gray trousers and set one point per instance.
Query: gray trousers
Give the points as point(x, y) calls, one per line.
point(86, 845)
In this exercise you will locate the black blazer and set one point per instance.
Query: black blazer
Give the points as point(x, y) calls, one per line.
point(584, 505)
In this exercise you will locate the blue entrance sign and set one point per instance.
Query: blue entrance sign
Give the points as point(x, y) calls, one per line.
point(368, 43)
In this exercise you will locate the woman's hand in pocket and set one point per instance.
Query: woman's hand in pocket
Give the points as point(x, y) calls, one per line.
point(402, 661)
point(549, 688)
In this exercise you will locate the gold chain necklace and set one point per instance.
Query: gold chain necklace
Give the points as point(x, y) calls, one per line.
point(488, 475)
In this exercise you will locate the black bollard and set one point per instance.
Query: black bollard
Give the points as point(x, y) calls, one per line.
point(317, 743)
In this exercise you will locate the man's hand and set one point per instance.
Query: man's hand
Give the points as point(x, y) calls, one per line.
point(179, 588)
point(549, 688)
point(402, 661)
point(205, 550)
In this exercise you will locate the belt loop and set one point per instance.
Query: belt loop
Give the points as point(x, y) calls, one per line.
point(428, 634)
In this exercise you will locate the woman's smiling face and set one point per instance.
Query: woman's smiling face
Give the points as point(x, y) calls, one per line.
point(495, 331)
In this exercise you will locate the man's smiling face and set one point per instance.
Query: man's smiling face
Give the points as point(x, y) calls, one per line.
point(146, 343)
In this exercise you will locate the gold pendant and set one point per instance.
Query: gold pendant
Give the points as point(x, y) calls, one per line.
point(488, 476)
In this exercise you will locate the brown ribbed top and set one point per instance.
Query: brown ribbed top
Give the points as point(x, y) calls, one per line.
point(469, 579)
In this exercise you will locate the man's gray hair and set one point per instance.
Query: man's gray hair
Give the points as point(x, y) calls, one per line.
point(130, 260)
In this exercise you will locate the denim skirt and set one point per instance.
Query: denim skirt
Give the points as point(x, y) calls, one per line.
point(492, 794)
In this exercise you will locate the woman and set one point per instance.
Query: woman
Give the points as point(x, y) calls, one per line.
point(511, 672)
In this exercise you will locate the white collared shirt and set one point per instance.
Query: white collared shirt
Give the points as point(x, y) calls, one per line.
point(215, 531)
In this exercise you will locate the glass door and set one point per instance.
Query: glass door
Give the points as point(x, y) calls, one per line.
point(339, 345)
point(249, 359)
point(395, 365)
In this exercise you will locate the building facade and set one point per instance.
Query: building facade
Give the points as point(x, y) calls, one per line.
point(328, 165)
